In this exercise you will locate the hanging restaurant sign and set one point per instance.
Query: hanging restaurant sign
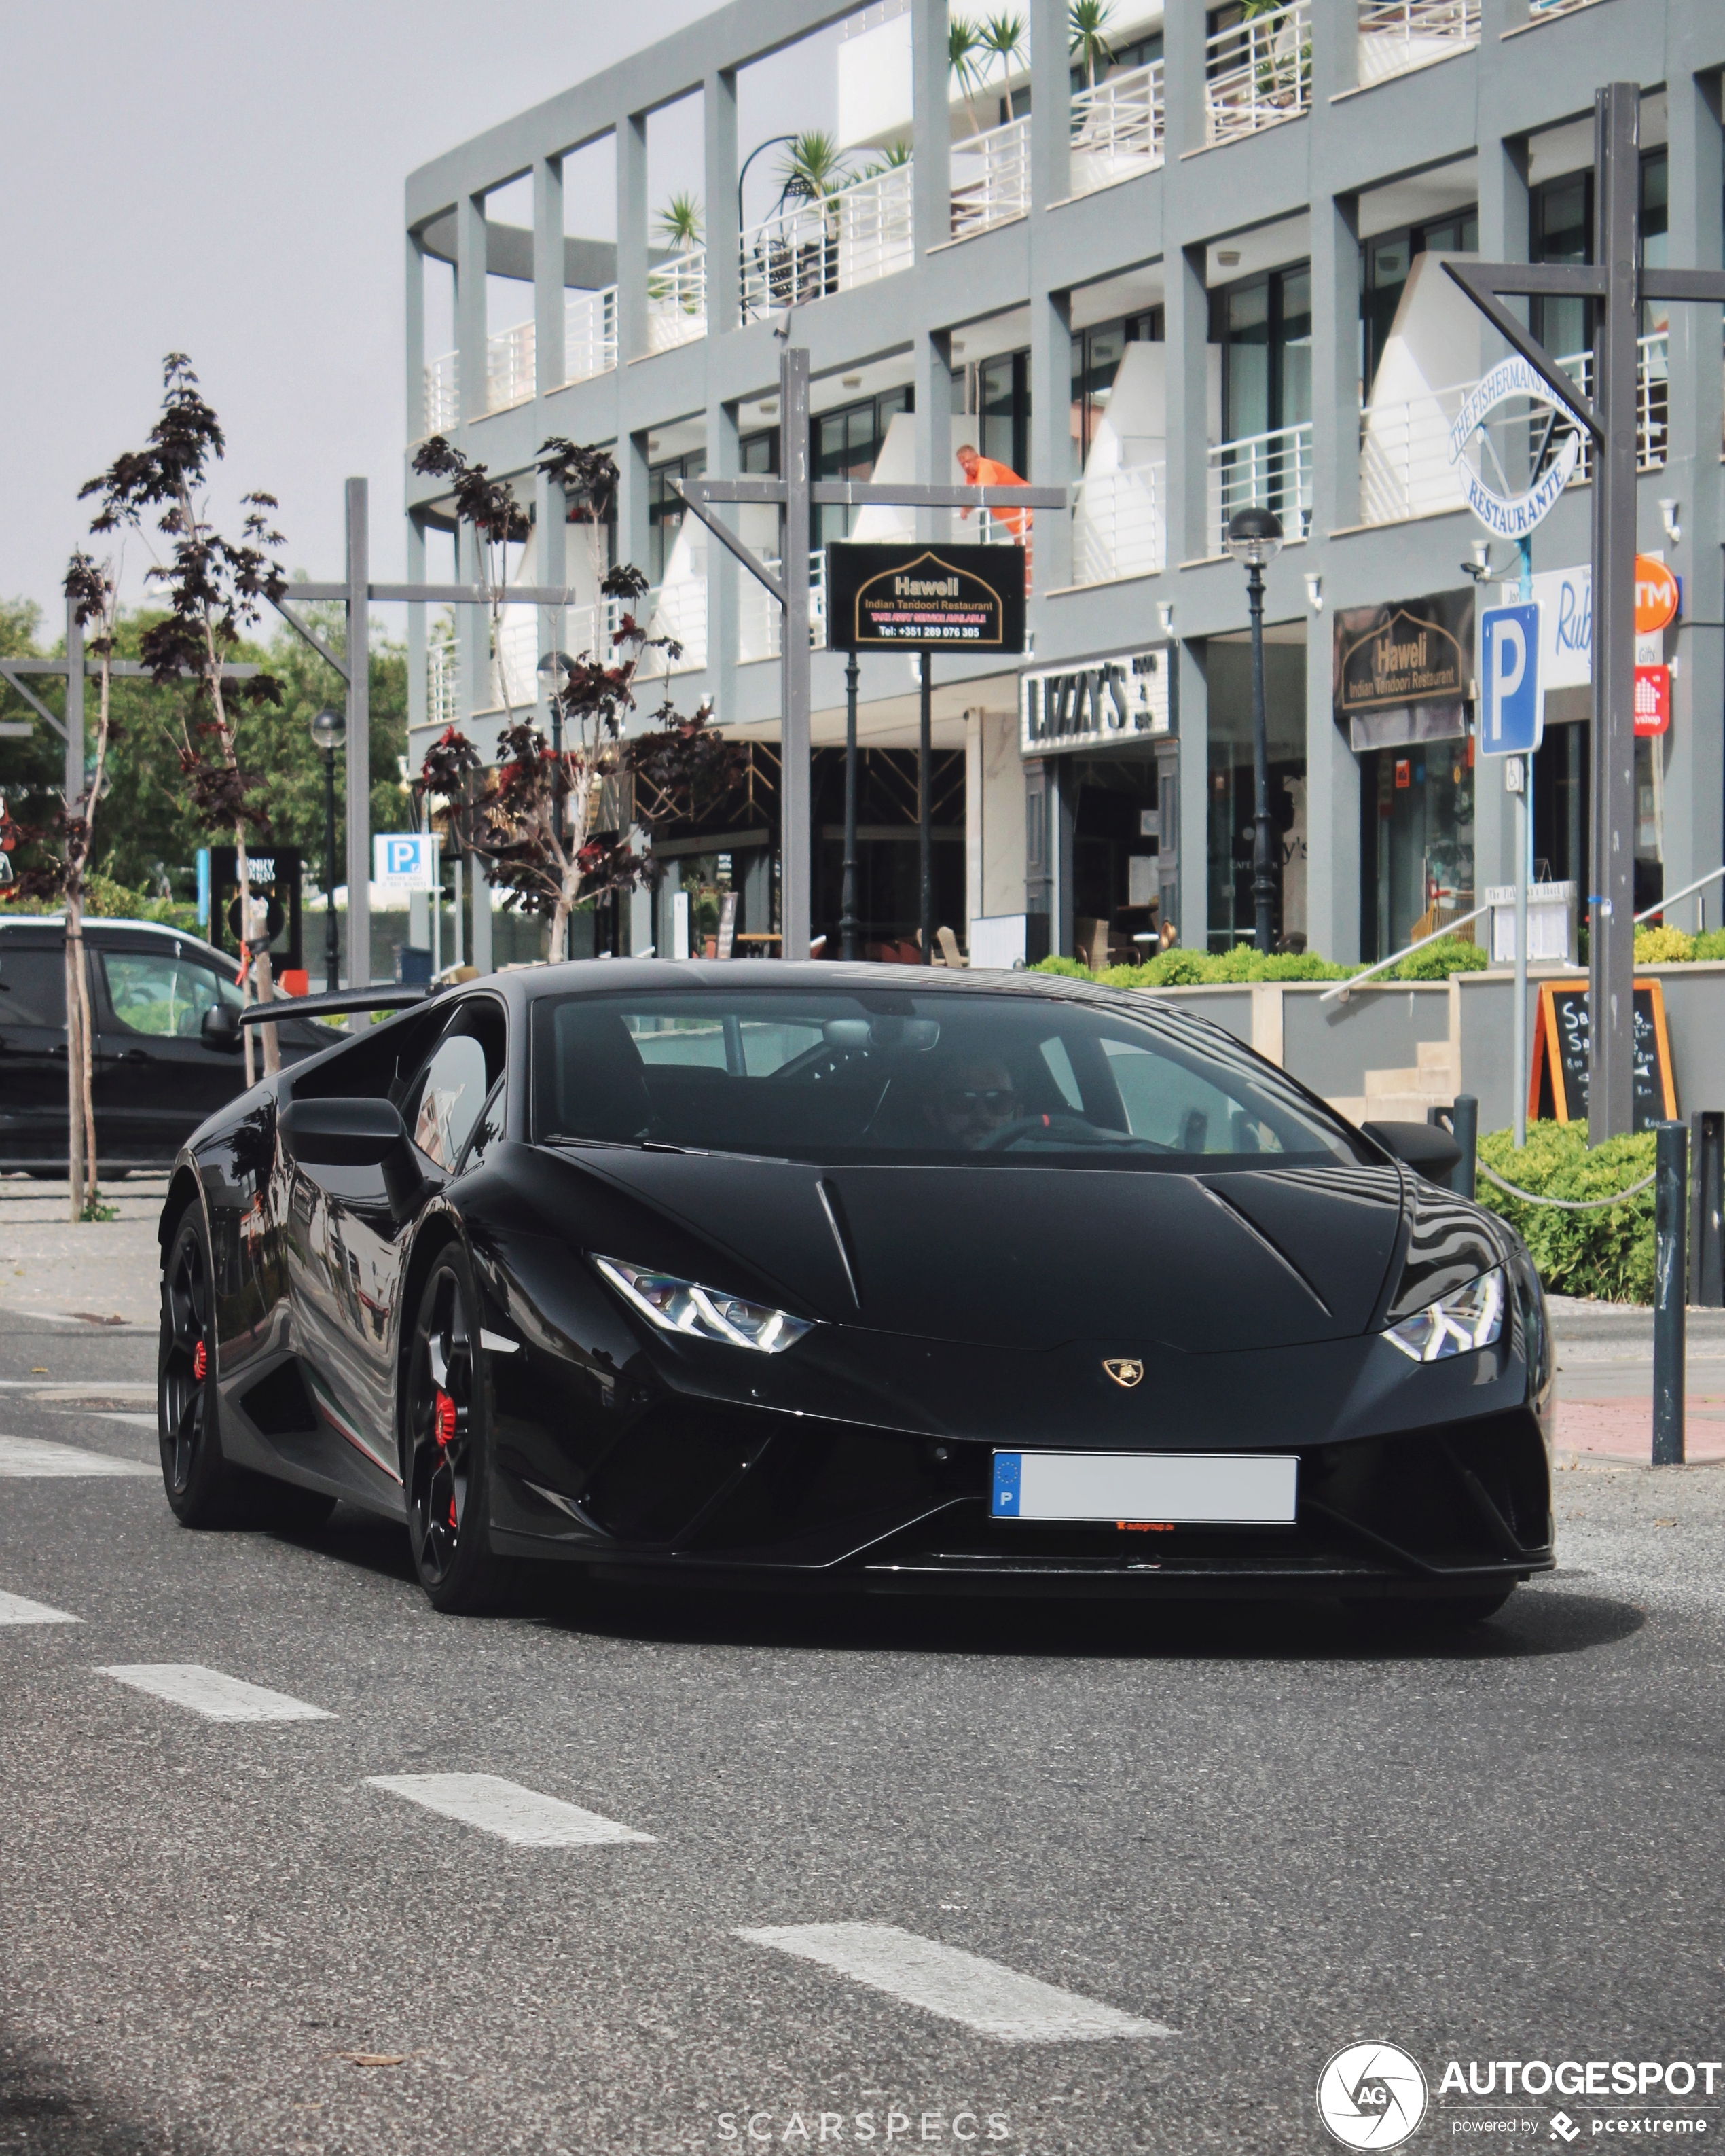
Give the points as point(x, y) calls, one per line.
point(1408, 652)
point(925, 599)
point(1092, 703)
point(1513, 516)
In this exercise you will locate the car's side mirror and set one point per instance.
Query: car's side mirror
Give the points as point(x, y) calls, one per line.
point(355, 1133)
point(220, 1028)
point(1424, 1147)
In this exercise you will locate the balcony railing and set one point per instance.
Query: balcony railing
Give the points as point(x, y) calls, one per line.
point(1258, 72)
point(589, 334)
point(1652, 400)
point(1122, 525)
point(509, 367)
point(1117, 129)
point(813, 250)
point(440, 686)
point(443, 395)
point(760, 618)
point(676, 300)
point(991, 178)
point(1398, 35)
point(1272, 471)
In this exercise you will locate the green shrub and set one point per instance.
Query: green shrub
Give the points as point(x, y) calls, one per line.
point(1450, 954)
point(1607, 1252)
point(1070, 970)
point(1711, 944)
point(1663, 946)
point(1181, 968)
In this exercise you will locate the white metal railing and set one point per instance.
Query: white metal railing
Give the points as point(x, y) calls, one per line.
point(679, 612)
point(589, 334)
point(443, 394)
point(760, 617)
point(1537, 10)
point(1117, 129)
point(1343, 990)
point(509, 367)
point(1122, 525)
point(676, 300)
point(991, 178)
point(1398, 35)
point(1272, 471)
point(1652, 399)
point(1258, 71)
point(812, 250)
point(440, 686)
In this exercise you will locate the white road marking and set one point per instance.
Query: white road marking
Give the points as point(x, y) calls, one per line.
point(114, 1414)
point(15, 1610)
point(21, 1456)
point(506, 1810)
point(209, 1693)
point(993, 2001)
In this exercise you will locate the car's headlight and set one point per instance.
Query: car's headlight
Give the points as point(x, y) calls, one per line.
point(703, 1313)
point(1465, 1318)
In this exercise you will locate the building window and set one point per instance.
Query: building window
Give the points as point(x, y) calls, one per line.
point(1563, 231)
point(1263, 325)
point(1128, 54)
point(846, 445)
point(1003, 400)
point(1097, 354)
point(664, 508)
point(758, 453)
point(1384, 264)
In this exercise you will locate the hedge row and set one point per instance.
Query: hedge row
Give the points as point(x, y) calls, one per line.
point(1180, 969)
point(1607, 1251)
point(104, 900)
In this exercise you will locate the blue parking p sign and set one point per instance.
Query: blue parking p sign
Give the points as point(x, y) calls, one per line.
point(404, 861)
point(1512, 710)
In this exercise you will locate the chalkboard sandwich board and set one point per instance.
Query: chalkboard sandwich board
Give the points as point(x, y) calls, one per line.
point(925, 599)
point(1558, 1075)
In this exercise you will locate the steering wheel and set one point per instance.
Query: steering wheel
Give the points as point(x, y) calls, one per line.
point(1072, 1130)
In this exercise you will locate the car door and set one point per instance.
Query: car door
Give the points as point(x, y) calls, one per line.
point(348, 1250)
point(158, 1077)
point(33, 1047)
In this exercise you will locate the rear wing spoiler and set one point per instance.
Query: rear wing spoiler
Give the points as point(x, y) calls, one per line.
point(329, 1006)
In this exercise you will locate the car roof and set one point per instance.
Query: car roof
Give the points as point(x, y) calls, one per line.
point(21, 924)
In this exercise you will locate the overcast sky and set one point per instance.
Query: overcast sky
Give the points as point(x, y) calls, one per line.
point(225, 179)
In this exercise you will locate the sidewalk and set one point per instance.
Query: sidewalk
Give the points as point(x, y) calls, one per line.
point(1604, 1359)
point(103, 1273)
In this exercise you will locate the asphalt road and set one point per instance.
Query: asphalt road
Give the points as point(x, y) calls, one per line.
point(1264, 1833)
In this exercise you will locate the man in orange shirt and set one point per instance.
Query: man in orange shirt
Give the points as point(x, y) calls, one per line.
point(988, 471)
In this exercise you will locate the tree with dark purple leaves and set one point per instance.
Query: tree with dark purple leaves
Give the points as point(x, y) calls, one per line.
point(215, 588)
point(534, 820)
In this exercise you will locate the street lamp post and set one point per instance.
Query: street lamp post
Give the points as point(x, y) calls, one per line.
point(1255, 538)
point(329, 728)
point(847, 925)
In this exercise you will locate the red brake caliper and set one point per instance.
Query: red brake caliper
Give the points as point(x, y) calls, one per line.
point(200, 1362)
point(443, 1424)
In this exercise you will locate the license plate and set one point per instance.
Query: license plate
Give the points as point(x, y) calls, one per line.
point(1195, 1489)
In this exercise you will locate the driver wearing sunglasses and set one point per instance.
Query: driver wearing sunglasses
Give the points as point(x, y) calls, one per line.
point(977, 1100)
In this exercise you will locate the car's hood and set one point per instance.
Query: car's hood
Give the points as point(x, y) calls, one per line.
point(1029, 1257)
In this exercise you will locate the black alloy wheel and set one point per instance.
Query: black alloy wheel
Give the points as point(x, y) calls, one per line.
point(448, 1448)
point(198, 1483)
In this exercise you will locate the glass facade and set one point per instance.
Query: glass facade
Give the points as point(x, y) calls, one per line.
point(665, 509)
point(1384, 264)
point(1230, 794)
point(1417, 850)
point(846, 445)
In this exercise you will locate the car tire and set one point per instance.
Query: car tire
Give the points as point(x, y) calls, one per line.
point(446, 1444)
point(202, 1488)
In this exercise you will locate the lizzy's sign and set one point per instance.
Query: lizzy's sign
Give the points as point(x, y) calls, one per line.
point(1093, 702)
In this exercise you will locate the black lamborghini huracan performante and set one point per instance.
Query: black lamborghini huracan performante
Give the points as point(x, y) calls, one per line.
point(863, 1277)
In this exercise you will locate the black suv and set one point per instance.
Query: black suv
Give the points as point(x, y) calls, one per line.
point(167, 1044)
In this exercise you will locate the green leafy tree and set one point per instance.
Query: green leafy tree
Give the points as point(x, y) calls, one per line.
point(1087, 27)
point(964, 62)
point(679, 223)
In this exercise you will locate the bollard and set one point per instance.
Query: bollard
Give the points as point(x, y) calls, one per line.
point(1462, 1120)
point(1707, 1204)
point(1670, 1221)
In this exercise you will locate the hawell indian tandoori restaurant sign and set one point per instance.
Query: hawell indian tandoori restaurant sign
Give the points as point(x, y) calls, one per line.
point(1090, 703)
point(925, 599)
point(1411, 651)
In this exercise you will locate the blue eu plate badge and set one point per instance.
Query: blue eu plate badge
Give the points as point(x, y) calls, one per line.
point(1009, 1472)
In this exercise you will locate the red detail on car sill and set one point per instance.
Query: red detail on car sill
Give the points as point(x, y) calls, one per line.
point(200, 1362)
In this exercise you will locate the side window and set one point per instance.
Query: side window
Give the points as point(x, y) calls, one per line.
point(1060, 1065)
point(444, 1103)
point(162, 994)
point(33, 987)
point(1167, 1102)
point(486, 1132)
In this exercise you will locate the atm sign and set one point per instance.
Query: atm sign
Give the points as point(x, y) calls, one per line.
point(1658, 595)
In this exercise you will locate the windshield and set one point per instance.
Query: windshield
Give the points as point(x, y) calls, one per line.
point(889, 1077)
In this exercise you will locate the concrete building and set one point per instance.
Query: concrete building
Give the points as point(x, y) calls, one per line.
point(1198, 270)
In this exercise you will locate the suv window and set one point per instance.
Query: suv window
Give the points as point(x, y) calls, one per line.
point(33, 986)
point(163, 994)
point(444, 1101)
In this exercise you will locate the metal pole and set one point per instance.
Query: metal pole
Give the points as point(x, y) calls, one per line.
point(1707, 1232)
point(1672, 1144)
point(359, 738)
point(81, 1175)
point(75, 706)
point(795, 776)
point(1524, 769)
point(1464, 1125)
point(847, 923)
point(332, 932)
point(1263, 868)
point(925, 810)
point(1611, 898)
